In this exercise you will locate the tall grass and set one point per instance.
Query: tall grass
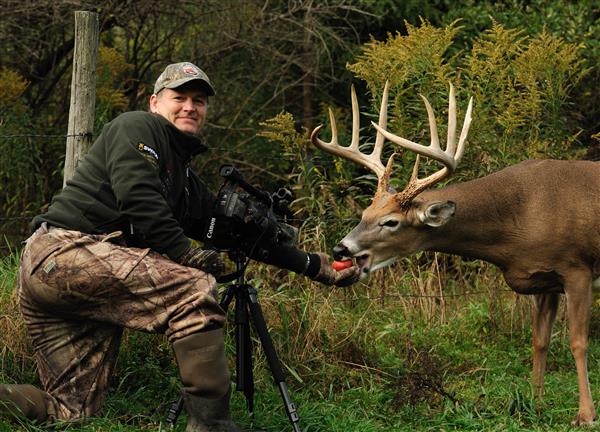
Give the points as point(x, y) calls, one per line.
point(436, 344)
point(15, 353)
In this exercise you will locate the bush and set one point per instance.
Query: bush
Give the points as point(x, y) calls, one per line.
point(521, 86)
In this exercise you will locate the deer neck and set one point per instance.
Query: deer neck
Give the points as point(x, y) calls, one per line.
point(480, 227)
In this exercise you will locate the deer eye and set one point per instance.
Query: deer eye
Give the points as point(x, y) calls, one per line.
point(391, 223)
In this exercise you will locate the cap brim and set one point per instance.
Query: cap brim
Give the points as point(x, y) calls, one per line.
point(178, 83)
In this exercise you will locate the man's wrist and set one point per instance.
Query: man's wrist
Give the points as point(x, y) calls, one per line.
point(177, 252)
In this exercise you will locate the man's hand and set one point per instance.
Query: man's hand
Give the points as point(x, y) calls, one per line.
point(329, 276)
point(207, 260)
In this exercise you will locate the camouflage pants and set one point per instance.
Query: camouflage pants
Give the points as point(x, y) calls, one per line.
point(77, 293)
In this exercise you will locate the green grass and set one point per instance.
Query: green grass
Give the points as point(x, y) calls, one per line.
point(408, 363)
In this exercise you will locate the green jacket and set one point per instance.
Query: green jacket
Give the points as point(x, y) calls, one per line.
point(136, 179)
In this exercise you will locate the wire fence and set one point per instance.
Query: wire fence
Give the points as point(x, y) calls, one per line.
point(46, 135)
point(392, 297)
point(20, 222)
point(24, 219)
point(595, 157)
point(15, 218)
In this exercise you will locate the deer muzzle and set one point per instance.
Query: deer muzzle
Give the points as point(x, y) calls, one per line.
point(341, 252)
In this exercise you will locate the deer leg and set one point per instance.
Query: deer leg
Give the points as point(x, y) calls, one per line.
point(578, 292)
point(544, 313)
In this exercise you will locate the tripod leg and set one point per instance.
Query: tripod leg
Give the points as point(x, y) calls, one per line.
point(227, 297)
point(243, 346)
point(265, 339)
point(174, 412)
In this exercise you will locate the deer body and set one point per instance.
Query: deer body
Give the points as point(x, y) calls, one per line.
point(538, 221)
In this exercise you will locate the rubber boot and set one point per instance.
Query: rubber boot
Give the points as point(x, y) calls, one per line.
point(208, 415)
point(23, 400)
point(206, 379)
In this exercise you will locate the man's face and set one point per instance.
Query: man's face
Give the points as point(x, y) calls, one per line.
point(184, 106)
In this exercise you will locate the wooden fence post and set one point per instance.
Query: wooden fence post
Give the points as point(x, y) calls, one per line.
point(83, 90)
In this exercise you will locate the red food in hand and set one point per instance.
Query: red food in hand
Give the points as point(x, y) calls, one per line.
point(341, 265)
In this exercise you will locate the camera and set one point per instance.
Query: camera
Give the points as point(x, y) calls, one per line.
point(248, 219)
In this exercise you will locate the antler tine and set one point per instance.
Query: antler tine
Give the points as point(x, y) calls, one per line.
point(384, 180)
point(435, 140)
point(465, 131)
point(450, 144)
point(355, 120)
point(379, 140)
point(352, 153)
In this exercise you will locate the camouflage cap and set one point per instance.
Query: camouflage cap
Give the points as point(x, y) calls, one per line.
point(177, 74)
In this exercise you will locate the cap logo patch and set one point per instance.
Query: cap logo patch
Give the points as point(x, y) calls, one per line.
point(190, 70)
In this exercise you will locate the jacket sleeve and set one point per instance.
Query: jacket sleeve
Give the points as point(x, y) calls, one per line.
point(136, 183)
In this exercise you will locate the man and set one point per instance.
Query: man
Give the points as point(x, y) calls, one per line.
point(114, 251)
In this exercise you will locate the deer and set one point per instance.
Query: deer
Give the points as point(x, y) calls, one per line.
point(538, 221)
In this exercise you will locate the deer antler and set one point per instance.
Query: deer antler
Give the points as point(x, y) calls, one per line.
point(371, 161)
point(449, 158)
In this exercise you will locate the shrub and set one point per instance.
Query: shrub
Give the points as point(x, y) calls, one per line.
point(521, 86)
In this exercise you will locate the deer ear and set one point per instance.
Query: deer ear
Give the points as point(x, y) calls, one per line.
point(437, 213)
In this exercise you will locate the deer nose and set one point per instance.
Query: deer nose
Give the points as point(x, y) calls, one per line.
point(341, 252)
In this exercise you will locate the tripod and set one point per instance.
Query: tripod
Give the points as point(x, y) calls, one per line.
point(246, 308)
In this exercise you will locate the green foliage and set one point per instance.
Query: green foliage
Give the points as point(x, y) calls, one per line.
point(417, 58)
point(521, 86)
point(21, 176)
point(15, 352)
point(282, 130)
point(111, 73)
point(491, 67)
point(411, 64)
point(13, 87)
point(574, 22)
